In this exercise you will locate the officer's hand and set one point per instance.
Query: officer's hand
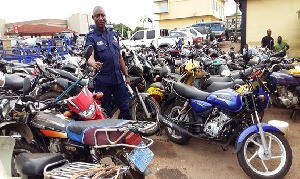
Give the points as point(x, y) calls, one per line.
point(127, 81)
point(97, 65)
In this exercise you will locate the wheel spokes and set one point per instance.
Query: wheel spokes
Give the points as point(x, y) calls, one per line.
point(256, 143)
point(265, 166)
point(252, 157)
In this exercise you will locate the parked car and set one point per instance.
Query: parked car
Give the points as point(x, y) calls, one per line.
point(217, 28)
point(29, 43)
point(203, 34)
point(156, 37)
point(188, 38)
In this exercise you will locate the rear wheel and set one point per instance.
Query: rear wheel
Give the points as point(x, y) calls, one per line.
point(257, 164)
point(174, 115)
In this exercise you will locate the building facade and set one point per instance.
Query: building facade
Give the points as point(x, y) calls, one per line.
point(177, 13)
point(279, 16)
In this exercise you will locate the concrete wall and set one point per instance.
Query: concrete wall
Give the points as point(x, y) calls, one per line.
point(279, 16)
point(80, 23)
point(187, 12)
point(2, 28)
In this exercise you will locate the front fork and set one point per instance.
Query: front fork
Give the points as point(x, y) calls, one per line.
point(259, 126)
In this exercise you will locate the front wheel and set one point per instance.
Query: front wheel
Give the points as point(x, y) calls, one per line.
point(181, 119)
point(257, 164)
point(138, 114)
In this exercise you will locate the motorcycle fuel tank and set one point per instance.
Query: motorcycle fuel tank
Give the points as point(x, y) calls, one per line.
point(51, 124)
point(200, 106)
point(283, 79)
point(226, 99)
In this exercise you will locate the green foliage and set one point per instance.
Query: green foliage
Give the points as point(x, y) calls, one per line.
point(118, 28)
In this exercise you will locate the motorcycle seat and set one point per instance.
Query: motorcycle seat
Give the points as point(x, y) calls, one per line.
point(219, 85)
point(13, 82)
point(71, 77)
point(190, 92)
point(157, 85)
point(32, 164)
point(135, 80)
point(83, 131)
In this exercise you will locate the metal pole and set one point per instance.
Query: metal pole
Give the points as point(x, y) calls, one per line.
point(236, 16)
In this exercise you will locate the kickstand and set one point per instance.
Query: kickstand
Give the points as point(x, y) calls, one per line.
point(224, 148)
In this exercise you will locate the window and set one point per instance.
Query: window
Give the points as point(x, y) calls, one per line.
point(212, 4)
point(193, 32)
point(139, 35)
point(150, 34)
point(216, 5)
point(164, 7)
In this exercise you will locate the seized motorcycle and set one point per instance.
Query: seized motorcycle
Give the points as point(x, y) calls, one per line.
point(224, 116)
point(284, 86)
point(37, 130)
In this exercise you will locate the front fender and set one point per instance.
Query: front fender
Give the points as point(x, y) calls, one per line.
point(20, 128)
point(248, 131)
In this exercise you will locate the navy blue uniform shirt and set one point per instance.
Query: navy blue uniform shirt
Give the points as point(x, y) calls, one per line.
point(106, 51)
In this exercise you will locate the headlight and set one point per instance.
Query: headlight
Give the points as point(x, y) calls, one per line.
point(90, 112)
point(4, 108)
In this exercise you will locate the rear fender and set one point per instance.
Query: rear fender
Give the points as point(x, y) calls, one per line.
point(253, 128)
point(22, 129)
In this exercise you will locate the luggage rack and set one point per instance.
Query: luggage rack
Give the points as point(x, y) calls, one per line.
point(82, 170)
point(115, 143)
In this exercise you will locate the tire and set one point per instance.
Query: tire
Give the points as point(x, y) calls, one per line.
point(173, 113)
point(21, 146)
point(277, 167)
point(138, 114)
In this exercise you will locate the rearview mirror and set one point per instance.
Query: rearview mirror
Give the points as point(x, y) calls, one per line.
point(88, 52)
point(26, 86)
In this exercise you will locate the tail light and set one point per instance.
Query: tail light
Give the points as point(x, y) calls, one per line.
point(222, 35)
point(33, 72)
point(156, 97)
point(197, 40)
point(26, 44)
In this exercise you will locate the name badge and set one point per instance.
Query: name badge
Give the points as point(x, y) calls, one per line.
point(100, 43)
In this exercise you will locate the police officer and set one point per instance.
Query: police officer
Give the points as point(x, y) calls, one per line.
point(106, 55)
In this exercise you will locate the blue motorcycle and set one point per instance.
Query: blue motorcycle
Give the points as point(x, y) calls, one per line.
point(225, 116)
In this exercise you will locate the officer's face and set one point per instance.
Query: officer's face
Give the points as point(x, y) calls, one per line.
point(99, 18)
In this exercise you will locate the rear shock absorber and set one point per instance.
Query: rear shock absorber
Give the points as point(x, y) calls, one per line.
point(95, 158)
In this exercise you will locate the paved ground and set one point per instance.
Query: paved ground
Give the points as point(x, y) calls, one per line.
point(204, 159)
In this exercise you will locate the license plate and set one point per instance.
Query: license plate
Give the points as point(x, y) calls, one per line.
point(141, 157)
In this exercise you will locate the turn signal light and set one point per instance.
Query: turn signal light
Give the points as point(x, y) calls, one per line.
point(99, 95)
point(261, 98)
point(67, 114)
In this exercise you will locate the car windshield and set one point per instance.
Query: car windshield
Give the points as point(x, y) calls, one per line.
point(202, 30)
point(177, 34)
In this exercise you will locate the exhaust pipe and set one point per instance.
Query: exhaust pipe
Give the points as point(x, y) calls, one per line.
point(174, 126)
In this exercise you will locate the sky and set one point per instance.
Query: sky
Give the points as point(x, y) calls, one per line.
point(128, 12)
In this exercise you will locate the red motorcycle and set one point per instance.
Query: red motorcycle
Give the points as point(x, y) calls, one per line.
point(86, 105)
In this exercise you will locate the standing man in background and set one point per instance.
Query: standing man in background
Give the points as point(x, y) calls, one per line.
point(268, 41)
point(106, 55)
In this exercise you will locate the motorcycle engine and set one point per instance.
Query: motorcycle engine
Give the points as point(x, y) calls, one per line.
point(286, 97)
point(54, 146)
point(214, 125)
